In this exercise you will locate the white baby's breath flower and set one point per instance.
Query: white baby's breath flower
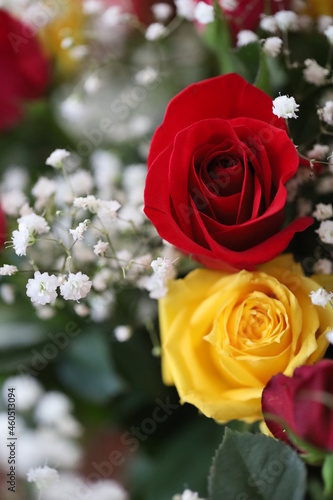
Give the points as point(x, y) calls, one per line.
point(35, 223)
point(324, 22)
point(108, 209)
point(72, 108)
point(7, 293)
point(26, 210)
point(154, 285)
point(146, 76)
point(314, 73)
point(320, 297)
point(56, 159)
point(162, 11)
point(8, 270)
point(329, 336)
point(229, 5)
point(101, 248)
point(101, 279)
point(163, 268)
point(272, 46)
point(325, 231)
point(92, 7)
point(92, 84)
point(204, 13)
point(286, 20)
point(268, 23)
point(122, 333)
point(43, 477)
point(15, 178)
point(329, 34)
point(44, 312)
point(44, 189)
point(82, 182)
point(76, 287)
point(187, 495)
point(28, 390)
point(285, 107)
point(52, 407)
point(90, 203)
point(78, 232)
point(22, 239)
point(12, 201)
point(326, 113)
point(323, 266)
point(185, 8)
point(323, 211)
point(81, 310)
point(318, 152)
point(113, 16)
point(67, 42)
point(42, 288)
point(155, 31)
point(244, 37)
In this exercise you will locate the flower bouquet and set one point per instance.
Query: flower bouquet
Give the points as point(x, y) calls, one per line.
point(166, 232)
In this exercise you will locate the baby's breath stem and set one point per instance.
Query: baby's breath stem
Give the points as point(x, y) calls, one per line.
point(156, 351)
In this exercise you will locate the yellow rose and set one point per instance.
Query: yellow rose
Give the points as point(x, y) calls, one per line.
point(225, 335)
point(319, 8)
point(68, 22)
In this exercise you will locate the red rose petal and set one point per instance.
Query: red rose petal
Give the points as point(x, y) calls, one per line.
point(227, 96)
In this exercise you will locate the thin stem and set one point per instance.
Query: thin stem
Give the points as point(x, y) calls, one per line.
point(113, 250)
point(156, 351)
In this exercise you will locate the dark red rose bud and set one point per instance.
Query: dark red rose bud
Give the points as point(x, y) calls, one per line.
point(302, 403)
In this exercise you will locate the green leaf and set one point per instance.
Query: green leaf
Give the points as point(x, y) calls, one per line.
point(87, 368)
point(217, 38)
point(327, 473)
point(256, 467)
point(263, 80)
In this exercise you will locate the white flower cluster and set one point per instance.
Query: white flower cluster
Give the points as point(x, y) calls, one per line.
point(283, 20)
point(46, 428)
point(42, 288)
point(321, 297)
point(187, 495)
point(157, 283)
point(56, 234)
point(285, 107)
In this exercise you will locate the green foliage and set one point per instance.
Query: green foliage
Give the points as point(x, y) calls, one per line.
point(327, 473)
point(256, 467)
point(86, 368)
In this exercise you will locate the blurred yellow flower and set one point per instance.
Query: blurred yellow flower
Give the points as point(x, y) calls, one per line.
point(64, 31)
point(225, 335)
point(320, 8)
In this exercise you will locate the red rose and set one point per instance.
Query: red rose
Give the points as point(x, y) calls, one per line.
point(24, 68)
point(216, 173)
point(304, 403)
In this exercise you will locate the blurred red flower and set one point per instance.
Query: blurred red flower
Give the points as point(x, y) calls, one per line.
point(25, 69)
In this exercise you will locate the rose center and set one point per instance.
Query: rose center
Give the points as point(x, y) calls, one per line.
point(226, 172)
